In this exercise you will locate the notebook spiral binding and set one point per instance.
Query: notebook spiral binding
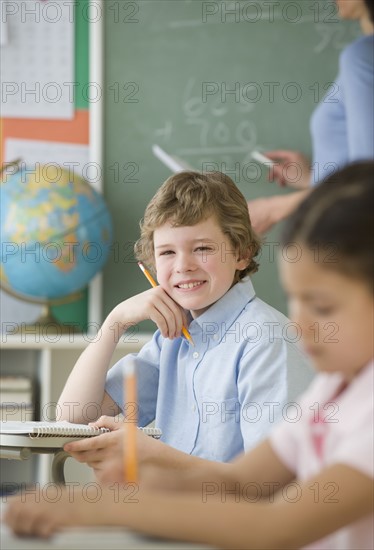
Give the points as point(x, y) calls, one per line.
point(50, 431)
point(88, 431)
point(156, 433)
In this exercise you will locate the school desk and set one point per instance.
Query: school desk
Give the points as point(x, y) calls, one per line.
point(21, 447)
point(91, 539)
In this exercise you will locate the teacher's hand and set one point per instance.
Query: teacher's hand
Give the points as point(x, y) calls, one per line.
point(263, 214)
point(291, 169)
point(267, 211)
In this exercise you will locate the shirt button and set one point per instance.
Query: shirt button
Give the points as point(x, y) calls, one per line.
point(193, 408)
point(215, 337)
point(195, 355)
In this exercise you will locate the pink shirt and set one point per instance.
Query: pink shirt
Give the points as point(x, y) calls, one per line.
point(330, 430)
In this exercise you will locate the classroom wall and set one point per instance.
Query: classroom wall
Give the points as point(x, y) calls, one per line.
point(65, 131)
point(208, 82)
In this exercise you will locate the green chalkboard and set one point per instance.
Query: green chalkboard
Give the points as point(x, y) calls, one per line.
point(81, 52)
point(76, 310)
point(208, 82)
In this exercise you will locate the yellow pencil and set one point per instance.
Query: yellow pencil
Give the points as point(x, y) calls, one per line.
point(130, 445)
point(153, 283)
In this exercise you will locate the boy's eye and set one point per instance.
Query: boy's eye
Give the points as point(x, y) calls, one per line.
point(203, 248)
point(166, 252)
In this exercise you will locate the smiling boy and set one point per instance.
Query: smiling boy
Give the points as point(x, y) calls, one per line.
point(191, 269)
point(219, 396)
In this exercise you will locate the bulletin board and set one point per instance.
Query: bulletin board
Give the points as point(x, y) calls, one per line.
point(73, 131)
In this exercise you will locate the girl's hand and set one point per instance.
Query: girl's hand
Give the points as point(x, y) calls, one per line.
point(154, 304)
point(32, 515)
point(292, 169)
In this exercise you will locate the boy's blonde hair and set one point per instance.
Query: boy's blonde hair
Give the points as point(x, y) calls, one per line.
point(188, 198)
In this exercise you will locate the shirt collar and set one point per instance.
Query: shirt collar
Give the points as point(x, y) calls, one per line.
point(366, 376)
point(331, 383)
point(223, 313)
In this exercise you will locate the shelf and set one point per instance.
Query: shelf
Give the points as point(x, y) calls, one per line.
point(48, 359)
point(128, 342)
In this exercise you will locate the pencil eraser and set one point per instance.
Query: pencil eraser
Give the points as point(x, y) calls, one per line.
point(256, 155)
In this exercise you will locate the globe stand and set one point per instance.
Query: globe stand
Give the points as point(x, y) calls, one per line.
point(46, 317)
point(46, 324)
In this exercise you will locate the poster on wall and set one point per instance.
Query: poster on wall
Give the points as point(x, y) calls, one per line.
point(37, 59)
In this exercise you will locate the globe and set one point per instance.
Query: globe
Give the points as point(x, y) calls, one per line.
point(56, 232)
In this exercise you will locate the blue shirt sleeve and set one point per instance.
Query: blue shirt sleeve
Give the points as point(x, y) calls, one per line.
point(357, 77)
point(342, 125)
point(147, 369)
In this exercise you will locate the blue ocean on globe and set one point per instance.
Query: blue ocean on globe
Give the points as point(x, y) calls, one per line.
point(56, 232)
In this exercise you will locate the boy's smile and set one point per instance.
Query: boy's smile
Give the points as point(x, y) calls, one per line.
point(196, 264)
point(189, 285)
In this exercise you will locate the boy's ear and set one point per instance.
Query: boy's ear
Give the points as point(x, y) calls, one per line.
point(242, 263)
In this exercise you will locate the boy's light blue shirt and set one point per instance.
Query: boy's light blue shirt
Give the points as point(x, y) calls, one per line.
point(221, 396)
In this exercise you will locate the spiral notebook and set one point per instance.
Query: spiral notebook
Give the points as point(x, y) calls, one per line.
point(60, 429)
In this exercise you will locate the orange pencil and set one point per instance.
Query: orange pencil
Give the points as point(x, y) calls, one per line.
point(130, 445)
point(153, 283)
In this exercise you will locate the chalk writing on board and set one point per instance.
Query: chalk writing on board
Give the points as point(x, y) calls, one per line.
point(327, 35)
point(165, 132)
point(334, 36)
point(220, 131)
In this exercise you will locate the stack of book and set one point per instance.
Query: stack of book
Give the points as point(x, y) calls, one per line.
point(16, 398)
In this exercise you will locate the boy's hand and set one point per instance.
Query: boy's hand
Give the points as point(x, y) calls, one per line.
point(154, 304)
point(104, 453)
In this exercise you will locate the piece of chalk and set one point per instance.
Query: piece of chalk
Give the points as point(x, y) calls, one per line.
point(256, 155)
